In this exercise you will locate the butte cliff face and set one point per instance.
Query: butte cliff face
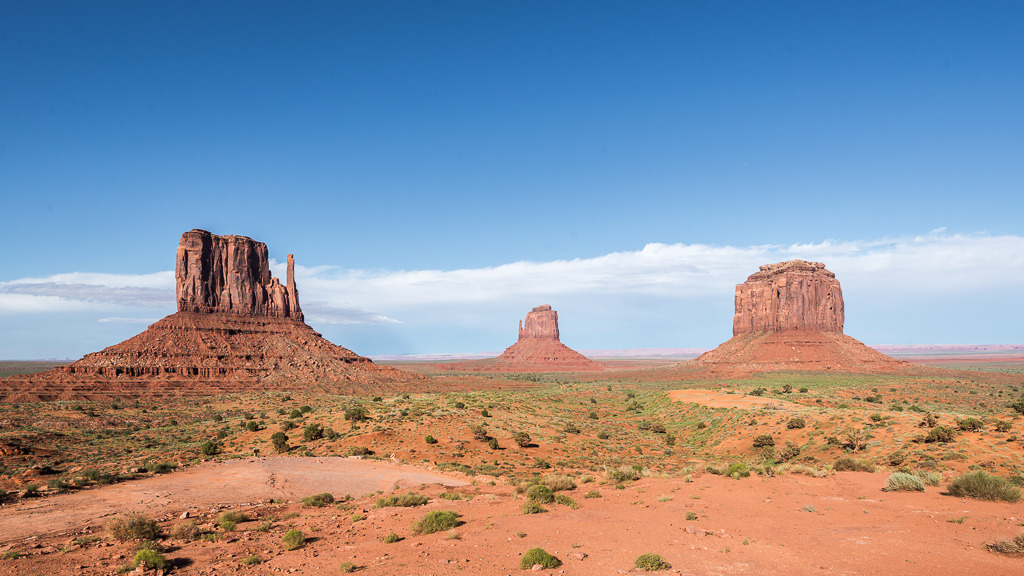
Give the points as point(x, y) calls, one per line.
point(231, 274)
point(790, 316)
point(539, 347)
point(236, 329)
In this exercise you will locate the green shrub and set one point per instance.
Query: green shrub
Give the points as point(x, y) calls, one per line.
point(984, 486)
point(592, 494)
point(402, 500)
point(691, 516)
point(160, 467)
point(236, 517)
point(535, 556)
point(318, 500)
point(56, 484)
point(941, 434)
point(531, 507)
point(392, 538)
point(479, 432)
point(430, 439)
point(651, 562)
point(969, 424)
point(293, 540)
point(358, 451)
point(603, 435)
point(738, 470)
point(132, 526)
point(764, 440)
point(1018, 406)
point(1002, 426)
point(437, 521)
point(149, 559)
point(566, 501)
point(251, 561)
point(227, 525)
point(521, 438)
point(208, 448)
point(11, 555)
point(929, 421)
point(902, 482)
point(312, 432)
point(540, 494)
point(356, 414)
point(492, 443)
point(252, 426)
point(796, 423)
point(280, 440)
point(853, 465)
point(347, 567)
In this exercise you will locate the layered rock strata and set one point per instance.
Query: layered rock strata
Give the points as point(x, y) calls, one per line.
point(538, 349)
point(794, 295)
point(790, 316)
point(236, 329)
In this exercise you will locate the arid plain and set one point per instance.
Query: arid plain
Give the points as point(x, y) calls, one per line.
point(231, 438)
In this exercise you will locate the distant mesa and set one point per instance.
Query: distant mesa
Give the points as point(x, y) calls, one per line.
point(538, 349)
point(790, 316)
point(237, 329)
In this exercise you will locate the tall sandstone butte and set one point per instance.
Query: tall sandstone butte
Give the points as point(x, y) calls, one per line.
point(794, 295)
point(236, 329)
point(231, 274)
point(790, 316)
point(539, 348)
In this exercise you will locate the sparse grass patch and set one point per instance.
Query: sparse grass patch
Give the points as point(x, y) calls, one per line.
point(402, 500)
point(392, 538)
point(531, 507)
point(853, 465)
point(903, 482)
point(318, 500)
point(251, 561)
point(1012, 546)
point(566, 501)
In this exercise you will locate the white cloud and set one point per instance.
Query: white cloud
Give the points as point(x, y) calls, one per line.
point(937, 263)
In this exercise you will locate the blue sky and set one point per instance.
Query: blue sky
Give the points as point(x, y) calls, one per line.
point(439, 168)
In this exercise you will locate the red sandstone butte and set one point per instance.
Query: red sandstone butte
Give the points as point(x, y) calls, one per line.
point(236, 330)
point(789, 316)
point(539, 348)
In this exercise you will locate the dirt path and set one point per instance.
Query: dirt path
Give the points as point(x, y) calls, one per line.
point(714, 399)
point(212, 484)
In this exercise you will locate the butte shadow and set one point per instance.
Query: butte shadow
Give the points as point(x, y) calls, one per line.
point(237, 329)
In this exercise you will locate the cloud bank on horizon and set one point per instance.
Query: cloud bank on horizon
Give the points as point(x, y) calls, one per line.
point(664, 295)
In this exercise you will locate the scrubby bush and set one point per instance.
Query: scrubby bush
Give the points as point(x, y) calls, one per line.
point(132, 526)
point(541, 494)
point(853, 465)
point(149, 560)
point(402, 500)
point(358, 451)
point(280, 440)
point(460, 405)
point(941, 434)
point(738, 470)
point(1018, 405)
point(313, 432)
point(356, 414)
point(929, 421)
point(209, 448)
point(227, 525)
point(521, 438)
point(566, 501)
point(293, 540)
point(1013, 546)
point(623, 474)
point(437, 521)
point(536, 556)
point(969, 424)
point(571, 428)
point(252, 426)
point(56, 484)
point(796, 423)
point(430, 439)
point(251, 560)
point(235, 517)
point(903, 482)
point(788, 452)
point(318, 500)
point(651, 562)
point(530, 507)
point(347, 567)
point(392, 538)
point(984, 486)
point(492, 443)
point(479, 432)
point(160, 467)
point(602, 435)
point(1002, 426)
point(764, 440)
point(186, 531)
point(558, 483)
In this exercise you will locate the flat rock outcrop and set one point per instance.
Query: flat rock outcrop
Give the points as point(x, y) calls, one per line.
point(794, 295)
point(237, 329)
point(538, 349)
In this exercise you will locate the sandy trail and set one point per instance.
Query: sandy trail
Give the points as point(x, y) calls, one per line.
point(713, 399)
point(211, 484)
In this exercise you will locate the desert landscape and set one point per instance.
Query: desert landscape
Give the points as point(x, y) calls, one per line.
point(230, 437)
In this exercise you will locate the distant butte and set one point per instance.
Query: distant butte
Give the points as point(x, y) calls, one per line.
point(237, 329)
point(790, 316)
point(538, 349)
